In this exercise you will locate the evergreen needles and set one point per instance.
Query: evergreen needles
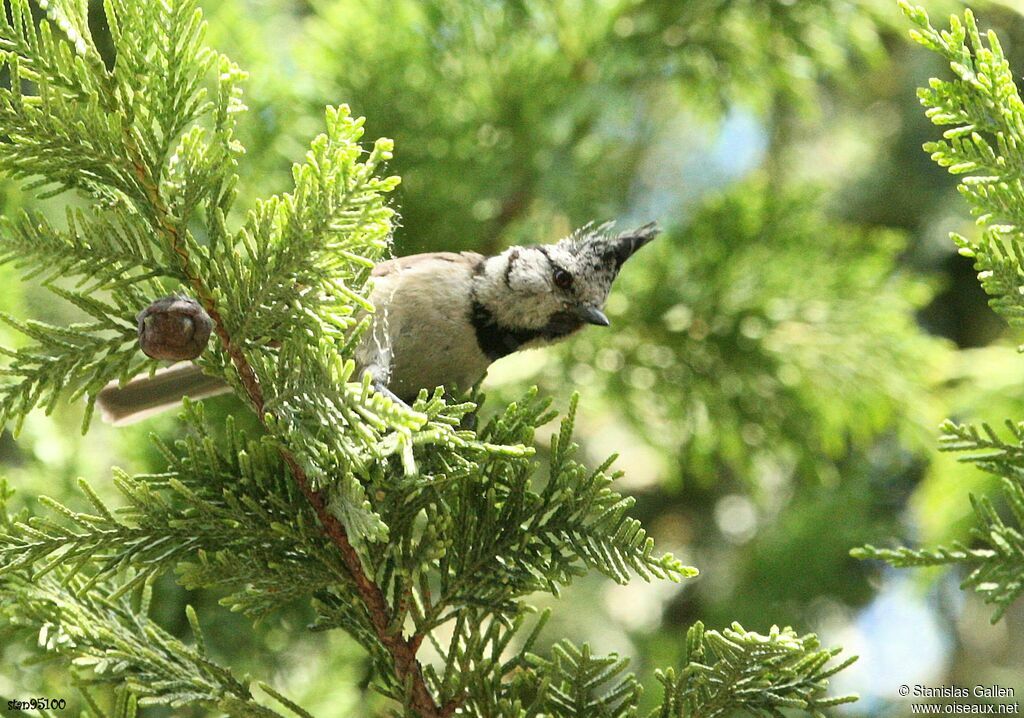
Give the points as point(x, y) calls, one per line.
point(983, 110)
point(395, 524)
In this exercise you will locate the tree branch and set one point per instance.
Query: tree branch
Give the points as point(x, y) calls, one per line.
point(402, 650)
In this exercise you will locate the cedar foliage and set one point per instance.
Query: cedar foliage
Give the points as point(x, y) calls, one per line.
point(983, 114)
point(419, 538)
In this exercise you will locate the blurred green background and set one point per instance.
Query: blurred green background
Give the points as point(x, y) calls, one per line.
point(778, 360)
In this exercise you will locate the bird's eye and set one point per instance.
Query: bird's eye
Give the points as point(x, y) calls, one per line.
point(563, 280)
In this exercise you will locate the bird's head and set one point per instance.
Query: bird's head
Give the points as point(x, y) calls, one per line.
point(557, 288)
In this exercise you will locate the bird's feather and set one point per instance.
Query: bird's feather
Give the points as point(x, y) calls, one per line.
point(422, 261)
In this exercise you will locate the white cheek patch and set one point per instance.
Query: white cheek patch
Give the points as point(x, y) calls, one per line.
point(527, 276)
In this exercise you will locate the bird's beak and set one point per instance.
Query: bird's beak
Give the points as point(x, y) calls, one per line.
point(592, 315)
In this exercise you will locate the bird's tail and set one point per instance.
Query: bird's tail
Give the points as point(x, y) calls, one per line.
point(147, 395)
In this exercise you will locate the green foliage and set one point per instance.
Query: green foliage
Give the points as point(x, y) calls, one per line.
point(581, 684)
point(723, 673)
point(208, 504)
point(460, 547)
point(61, 103)
point(752, 347)
point(392, 523)
point(983, 108)
point(534, 115)
point(535, 118)
point(737, 670)
point(106, 637)
point(994, 558)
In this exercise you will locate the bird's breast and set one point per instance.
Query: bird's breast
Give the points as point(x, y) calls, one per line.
point(422, 320)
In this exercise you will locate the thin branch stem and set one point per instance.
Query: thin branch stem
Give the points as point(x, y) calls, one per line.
point(402, 650)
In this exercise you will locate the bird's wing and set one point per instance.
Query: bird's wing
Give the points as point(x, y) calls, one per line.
point(417, 261)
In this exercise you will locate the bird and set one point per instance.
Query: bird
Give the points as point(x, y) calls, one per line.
point(442, 318)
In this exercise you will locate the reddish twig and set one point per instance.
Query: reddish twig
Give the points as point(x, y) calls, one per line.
point(403, 651)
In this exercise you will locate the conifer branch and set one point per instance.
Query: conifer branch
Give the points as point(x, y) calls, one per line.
point(739, 671)
point(428, 525)
point(984, 143)
point(994, 560)
point(122, 646)
point(140, 146)
point(401, 649)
